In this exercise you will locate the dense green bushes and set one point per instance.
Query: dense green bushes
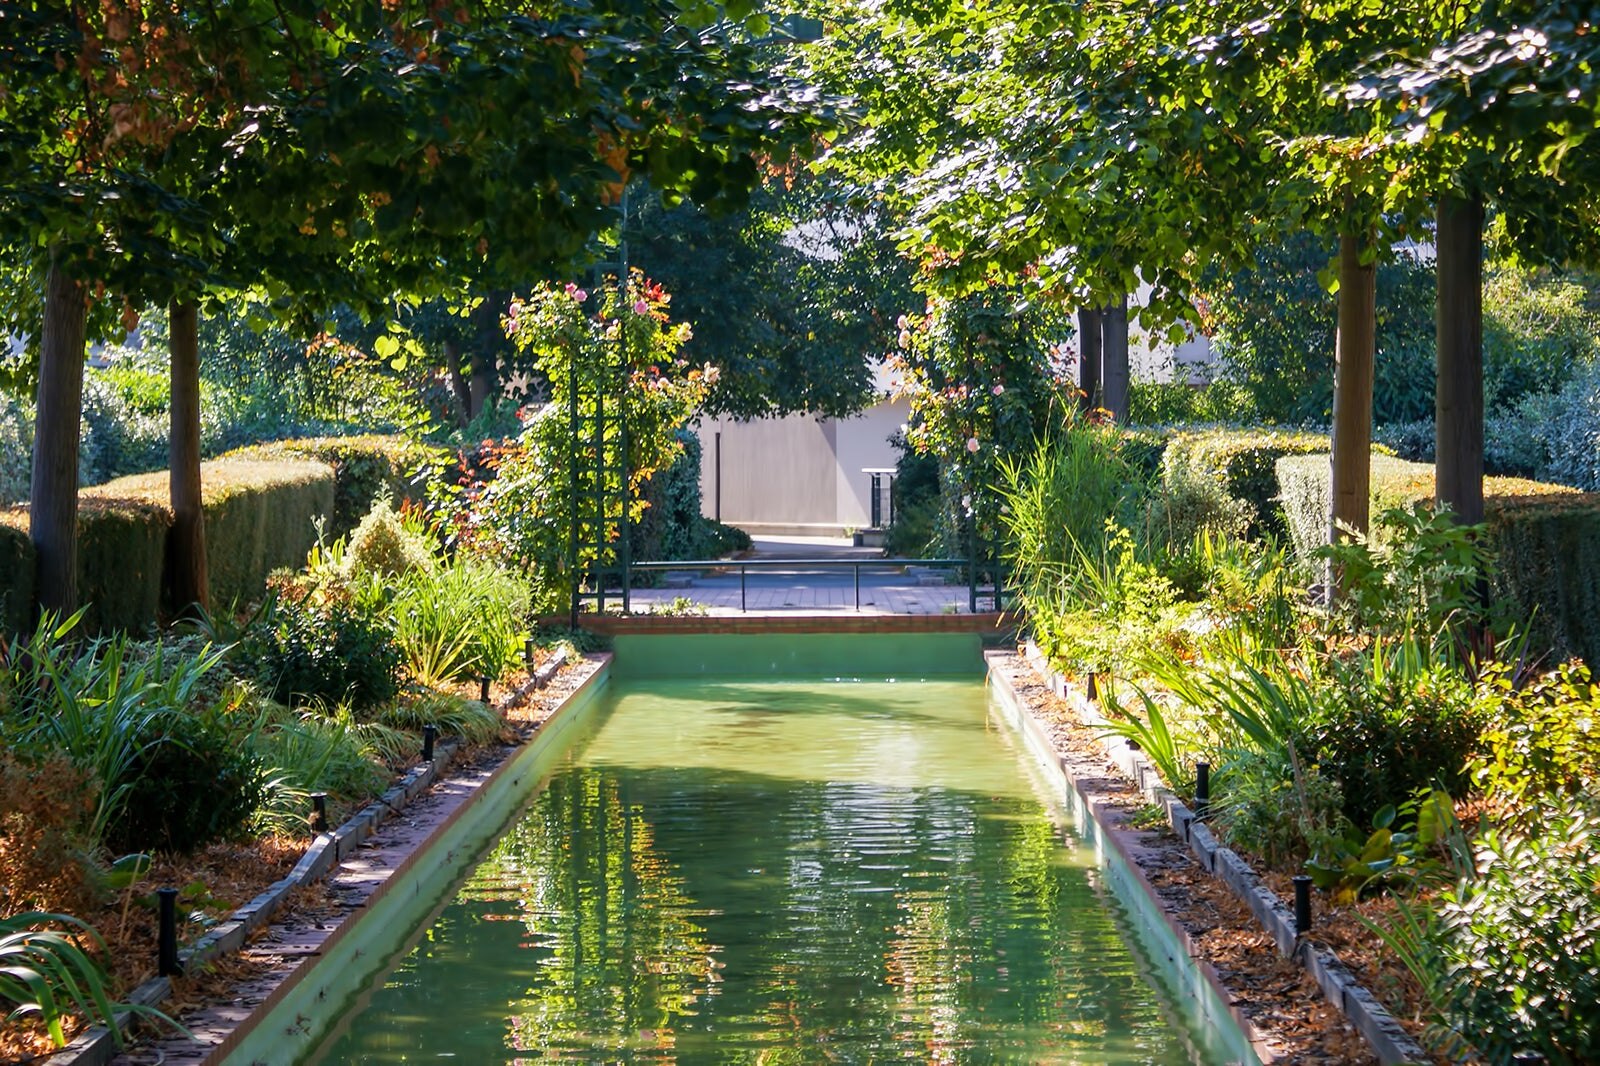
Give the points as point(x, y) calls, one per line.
point(261, 504)
point(1545, 538)
point(365, 468)
point(1243, 462)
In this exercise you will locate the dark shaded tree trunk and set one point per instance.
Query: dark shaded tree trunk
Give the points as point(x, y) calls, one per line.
point(188, 583)
point(489, 339)
point(1114, 362)
point(1352, 389)
point(1458, 396)
point(1091, 353)
point(53, 501)
point(482, 385)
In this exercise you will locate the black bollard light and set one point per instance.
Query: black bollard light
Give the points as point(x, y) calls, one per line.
point(430, 733)
point(1302, 904)
point(483, 690)
point(1202, 789)
point(1094, 687)
point(319, 812)
point(167, 940)
point(527, 652)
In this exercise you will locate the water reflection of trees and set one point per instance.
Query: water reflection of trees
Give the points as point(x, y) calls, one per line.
point(851, 922)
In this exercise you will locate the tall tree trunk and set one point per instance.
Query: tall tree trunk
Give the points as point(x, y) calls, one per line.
point(1091, 353)
point(53, 502)
point(1114, 374)
point(489, 339)
point(481, 386)
point(1458, 322)
point(458, 381)
point(1352, 388)
point(188, 585)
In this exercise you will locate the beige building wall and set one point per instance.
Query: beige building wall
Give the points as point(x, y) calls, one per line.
point(798, 474)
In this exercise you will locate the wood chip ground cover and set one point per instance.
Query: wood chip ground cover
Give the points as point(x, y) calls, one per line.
point(1278, 998)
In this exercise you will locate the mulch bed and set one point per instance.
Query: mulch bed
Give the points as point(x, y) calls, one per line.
point(1281, 1000)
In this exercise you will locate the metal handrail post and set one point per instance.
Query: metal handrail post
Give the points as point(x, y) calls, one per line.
point(858, 586)
point(742, 606)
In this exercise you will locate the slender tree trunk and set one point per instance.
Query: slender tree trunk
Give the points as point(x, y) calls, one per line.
point(489, 338)
point(1352, 389)
point(458, 380)
point(1114, 386)
point(1458, 403)
point(1091, 352)
point(53, 502)
point(481, 387)
point(188, 585)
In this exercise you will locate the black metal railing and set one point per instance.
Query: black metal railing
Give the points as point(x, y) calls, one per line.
point(800, 565)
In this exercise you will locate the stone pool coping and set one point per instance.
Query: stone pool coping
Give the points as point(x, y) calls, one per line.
point(97, 1045)
point(1388, 1040)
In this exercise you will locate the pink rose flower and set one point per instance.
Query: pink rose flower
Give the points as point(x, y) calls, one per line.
point(641, 308)
point(972, 444)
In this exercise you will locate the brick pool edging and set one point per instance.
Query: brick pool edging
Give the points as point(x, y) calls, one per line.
point(97, 1045)
point(1384, 1035)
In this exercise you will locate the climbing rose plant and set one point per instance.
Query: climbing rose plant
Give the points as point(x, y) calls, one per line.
point(519, 511)
point(982, 374)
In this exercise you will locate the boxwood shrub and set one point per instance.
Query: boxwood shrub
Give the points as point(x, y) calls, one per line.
point(1246, 462)
point(364, 468)
point(259, 516)
point(1546, 539)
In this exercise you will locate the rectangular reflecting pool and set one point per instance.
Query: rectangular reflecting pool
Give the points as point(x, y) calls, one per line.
point(777, 872)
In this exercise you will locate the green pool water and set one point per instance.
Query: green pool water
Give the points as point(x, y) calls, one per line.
point(777, 872)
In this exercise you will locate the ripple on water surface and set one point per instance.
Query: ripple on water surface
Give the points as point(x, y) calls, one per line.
point(773, 873)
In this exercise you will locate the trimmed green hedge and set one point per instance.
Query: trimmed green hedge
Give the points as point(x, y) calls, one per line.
point(16, 572)
point(1245, 460)
point(260, 515)
point(1546, 540)
point(364, 468)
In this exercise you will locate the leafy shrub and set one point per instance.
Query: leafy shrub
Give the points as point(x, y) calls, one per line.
point(182, 758)
point(1521, 942)
point(382, 543)
point(1564, 427)
point(1190, 504)
point(1241, 463)
point(1537, 329)
point(720, 538)
point(1267, 808)
point(1545, 538)
point(324, 647)
point(1418, 572)
point(670, 527)
point(1541, 740)
point(1390, 722)
point(1161, 403)
point(914, 523)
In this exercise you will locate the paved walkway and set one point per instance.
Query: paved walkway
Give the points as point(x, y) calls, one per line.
point(799, 590)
